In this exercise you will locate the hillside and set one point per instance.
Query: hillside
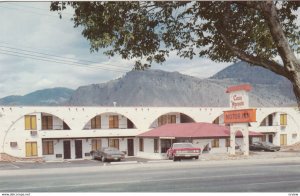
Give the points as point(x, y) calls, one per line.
point(53, 96)
point(161, 88)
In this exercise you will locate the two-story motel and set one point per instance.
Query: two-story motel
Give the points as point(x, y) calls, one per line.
point(58, 133)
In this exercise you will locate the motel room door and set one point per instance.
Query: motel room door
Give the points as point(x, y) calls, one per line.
point(67, 149)
point(78, 149)
point(130, 147)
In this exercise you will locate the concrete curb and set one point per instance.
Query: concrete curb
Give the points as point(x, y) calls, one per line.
point(160, 161)
point(121, 163)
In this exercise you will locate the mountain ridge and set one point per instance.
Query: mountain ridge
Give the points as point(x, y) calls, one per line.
point(161, 88)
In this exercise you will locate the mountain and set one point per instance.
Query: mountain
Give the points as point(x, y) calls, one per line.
point(53, 96)
point(269, 86)
point(160, 88)
point(150, 88)
point(245, 73)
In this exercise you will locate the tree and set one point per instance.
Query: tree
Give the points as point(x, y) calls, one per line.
point(256, 31)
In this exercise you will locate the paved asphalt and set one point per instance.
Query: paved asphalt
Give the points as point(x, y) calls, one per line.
point(185, 176)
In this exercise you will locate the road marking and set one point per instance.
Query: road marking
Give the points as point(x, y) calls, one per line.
point(14, 166)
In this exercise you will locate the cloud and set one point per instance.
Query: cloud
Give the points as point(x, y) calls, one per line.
point(31, 26)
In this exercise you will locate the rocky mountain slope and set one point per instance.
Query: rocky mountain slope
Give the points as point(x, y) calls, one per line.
point(160, 88)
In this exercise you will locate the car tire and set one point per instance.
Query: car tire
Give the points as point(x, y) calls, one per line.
point(174, 158)
point(197, 157)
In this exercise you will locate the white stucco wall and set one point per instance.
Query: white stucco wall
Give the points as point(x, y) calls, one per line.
point(12, 127)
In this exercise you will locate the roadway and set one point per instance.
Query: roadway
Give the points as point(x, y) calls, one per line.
point(184, 176)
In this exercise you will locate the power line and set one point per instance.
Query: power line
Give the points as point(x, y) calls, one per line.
point(37, 13)
point(24, 55)
point(56, 57)
point(32, 7)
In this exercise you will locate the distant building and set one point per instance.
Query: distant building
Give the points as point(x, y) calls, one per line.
point(57, 133)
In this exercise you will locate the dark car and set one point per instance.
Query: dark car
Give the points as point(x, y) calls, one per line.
point(266, 146)
point(108, 154)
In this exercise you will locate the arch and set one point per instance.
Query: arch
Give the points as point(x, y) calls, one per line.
point(238, 145)
point(275, 112)
point(97, 123)
point(219, 120)
point(167, 118)
point(52, 126)
point(22, 116)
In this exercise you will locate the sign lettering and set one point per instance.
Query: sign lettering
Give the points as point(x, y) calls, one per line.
point(240, 116)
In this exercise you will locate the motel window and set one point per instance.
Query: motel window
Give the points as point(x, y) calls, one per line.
point(215, 143)
point(141, 145)
point(283, 119)
point(96, 122)
point(166, 119)
point(96, 144)
point(47, 123)
point(113, 121)
point(283, 139)
point(227, 142)
point(114, 143)
point(31, 149)
point(48, 147)
point(30, 122)
point(155, 145)
point(270, 120)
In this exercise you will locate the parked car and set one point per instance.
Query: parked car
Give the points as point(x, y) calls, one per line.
point(179, 151)
point(108, 154)
point(266, 146)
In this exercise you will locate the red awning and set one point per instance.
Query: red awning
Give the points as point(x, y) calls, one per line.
point(192, 130)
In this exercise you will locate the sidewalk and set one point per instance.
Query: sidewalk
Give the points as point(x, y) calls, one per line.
point(252, 156)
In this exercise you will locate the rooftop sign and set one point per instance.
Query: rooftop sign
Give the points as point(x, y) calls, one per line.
point(238, 96)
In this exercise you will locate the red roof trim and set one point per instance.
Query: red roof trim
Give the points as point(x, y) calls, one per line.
point(192, 130)
point(245, 87)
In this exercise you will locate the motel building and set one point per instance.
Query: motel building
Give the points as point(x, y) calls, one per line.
point(70, 133)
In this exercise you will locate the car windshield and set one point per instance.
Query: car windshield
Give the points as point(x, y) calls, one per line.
point(268, 144)
point(183, 145)
point(110, 150)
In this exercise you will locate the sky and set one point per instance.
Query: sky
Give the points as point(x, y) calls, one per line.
point(29, 30)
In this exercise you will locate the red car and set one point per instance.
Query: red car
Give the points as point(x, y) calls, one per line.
point(179, 151)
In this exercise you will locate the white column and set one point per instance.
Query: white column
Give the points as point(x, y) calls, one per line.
point(246, 141)
point(232, 140)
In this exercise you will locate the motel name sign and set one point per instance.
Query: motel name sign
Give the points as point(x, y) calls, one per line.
point(239, 102)
point(240, 116)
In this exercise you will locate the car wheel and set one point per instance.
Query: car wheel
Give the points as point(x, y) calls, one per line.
point(197, 157)
point(174, 158)
point(103, 159)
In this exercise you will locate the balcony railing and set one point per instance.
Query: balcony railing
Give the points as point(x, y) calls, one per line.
point(54, 127)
